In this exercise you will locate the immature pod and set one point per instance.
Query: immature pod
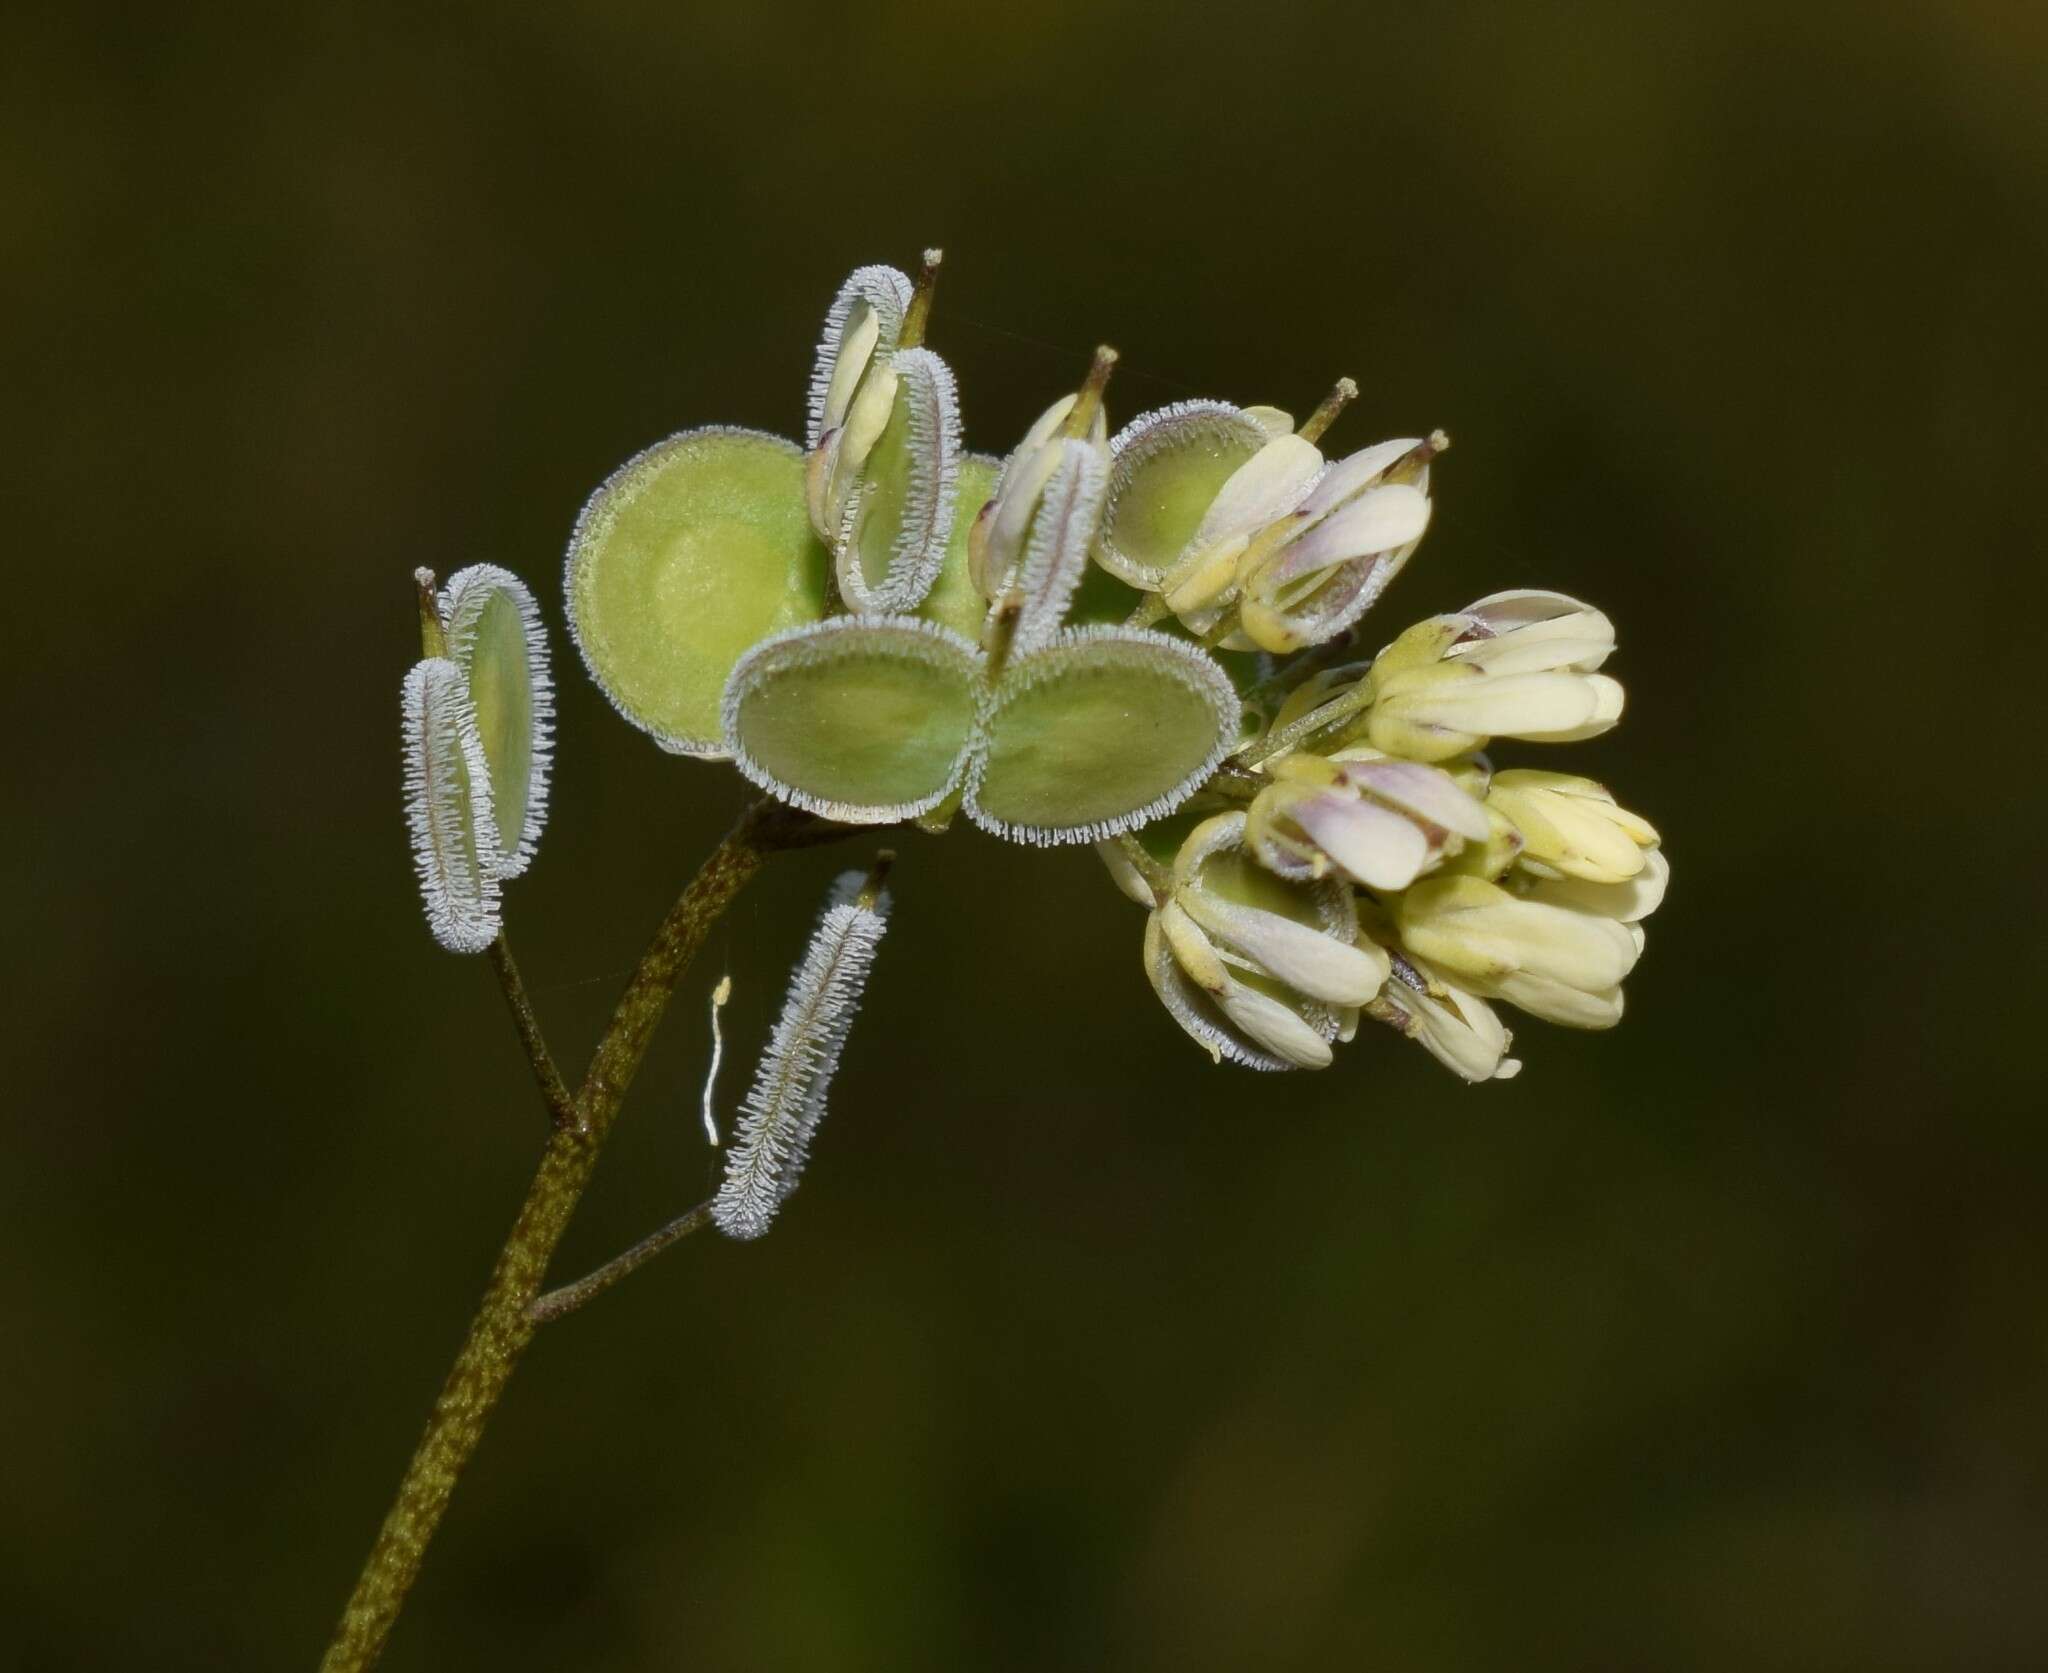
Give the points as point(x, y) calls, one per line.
point(448, 808)
point(1056, 549)
point(954, 600)
point(690, 554)
point(1166, 470)
point(1001, 534)
point(780, 1115)
point(853, 387)
point(496, 638)
point(1256, 969)
point(1098, 731)
point(865, 720)
point(897, 514)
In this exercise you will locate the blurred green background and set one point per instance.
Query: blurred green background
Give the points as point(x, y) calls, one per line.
point(1718, 1341)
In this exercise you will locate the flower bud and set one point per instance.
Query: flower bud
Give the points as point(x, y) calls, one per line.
point(1258, 970)
point(1626, 903)
point(1516, 666)
point(1571, 825)
point(1378, 822)
point(1555, 963)
point(1459, 1029)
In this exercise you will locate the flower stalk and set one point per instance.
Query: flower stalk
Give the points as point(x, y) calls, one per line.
point(504, 1322)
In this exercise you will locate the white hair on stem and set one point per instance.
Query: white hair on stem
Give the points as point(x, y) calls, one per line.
point(448, 808)
point(782, 1109)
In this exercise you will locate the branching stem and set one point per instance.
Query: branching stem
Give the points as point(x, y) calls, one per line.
point(553, 1089)
point(569, 1297)
point(503, 1324)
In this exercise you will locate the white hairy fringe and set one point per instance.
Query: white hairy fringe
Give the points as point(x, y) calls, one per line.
point(462, 606)
point(781, 1112)
point(1336, 910)
point(918, 549)
point(1196, 1013)
point(883, 289)
point(816, 643)
point(1056, 554)
point(448, 808)
point(1195, 669)
point(927, 526)
point(1162, 430)
point(594, 522)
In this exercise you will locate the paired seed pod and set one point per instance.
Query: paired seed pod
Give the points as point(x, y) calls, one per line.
point(1048, 733)
point(478, 746)
point(700, 580)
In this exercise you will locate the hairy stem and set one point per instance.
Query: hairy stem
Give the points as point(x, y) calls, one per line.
point(502, 1326)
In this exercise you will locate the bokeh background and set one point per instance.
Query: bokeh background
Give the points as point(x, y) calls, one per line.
point(1718, 1341)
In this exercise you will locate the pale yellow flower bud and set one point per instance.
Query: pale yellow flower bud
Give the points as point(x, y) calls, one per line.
point(1571, 825)
point(1459, 1029)
point(1379, 822)
point(1518, 665)
point(1626, 903)
point(1555, 963)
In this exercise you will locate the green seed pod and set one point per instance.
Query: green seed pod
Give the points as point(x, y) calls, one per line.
point(853, 388)
point(1100, 731)
point(687, 556)
point(1165, 470)
point(496, 638)
point(954, 601)
point(1056, 552)
point(448, 808)
point(858, 719)
point(898, 512)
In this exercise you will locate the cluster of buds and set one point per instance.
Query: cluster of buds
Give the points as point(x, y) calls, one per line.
point(879, 626)
point(1471, 885)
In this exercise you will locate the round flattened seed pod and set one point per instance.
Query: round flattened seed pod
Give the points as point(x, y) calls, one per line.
point(448, 808)
point(858, 719)
point(899, 515)
point(1166, 468)
point(689, 555)
point(954, 600)
point(496, 638)
point(1100, 731)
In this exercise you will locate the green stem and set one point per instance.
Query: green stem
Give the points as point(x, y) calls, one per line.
point(569, 1297)
point(553, 1090)
point(503, 1327)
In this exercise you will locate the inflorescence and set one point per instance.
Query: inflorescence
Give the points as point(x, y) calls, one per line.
point(1148, 639)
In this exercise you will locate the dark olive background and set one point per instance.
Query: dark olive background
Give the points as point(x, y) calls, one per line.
point(1717, 1341)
